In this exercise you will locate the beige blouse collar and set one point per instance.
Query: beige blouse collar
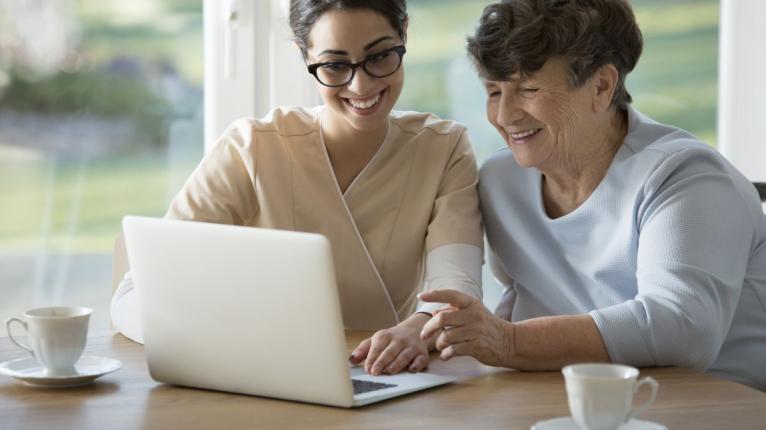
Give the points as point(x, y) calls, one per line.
point(342, 196)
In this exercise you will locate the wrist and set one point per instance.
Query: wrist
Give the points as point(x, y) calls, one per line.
point(417, 320)
point(509, 343)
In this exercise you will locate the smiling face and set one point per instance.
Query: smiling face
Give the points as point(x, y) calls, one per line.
point(545, 121)
point(352, 36)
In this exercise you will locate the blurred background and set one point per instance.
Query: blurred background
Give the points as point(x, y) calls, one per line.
point(101, 115)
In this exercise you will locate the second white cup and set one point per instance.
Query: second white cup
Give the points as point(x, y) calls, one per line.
point(601, 395)
point(57, 336)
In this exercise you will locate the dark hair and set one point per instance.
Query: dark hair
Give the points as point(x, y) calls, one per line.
point(521, 35)
point(304, 13)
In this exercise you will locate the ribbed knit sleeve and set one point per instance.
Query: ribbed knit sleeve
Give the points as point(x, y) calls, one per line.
point(693, 249)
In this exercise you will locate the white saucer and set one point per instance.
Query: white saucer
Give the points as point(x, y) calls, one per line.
point(567, 423)
point(29, 371)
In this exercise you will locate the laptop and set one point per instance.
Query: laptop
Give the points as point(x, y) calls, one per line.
point(251, 311)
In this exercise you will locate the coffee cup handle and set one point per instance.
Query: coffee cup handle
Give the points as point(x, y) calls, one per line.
point(10, 336)
point(638, 409)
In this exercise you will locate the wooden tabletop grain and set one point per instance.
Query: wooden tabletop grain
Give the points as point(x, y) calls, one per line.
point(488, 399)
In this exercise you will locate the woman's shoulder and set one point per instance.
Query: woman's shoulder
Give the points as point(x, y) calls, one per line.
point(284, 121)
point(649, 139)
point(661, 151)
point(670, 159)
point(417, 123)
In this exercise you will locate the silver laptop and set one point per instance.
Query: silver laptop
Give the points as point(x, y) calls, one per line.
point(251, 311)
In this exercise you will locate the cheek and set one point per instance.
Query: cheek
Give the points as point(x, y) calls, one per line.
point(492, 110)
point(559, 112)
point(568, 118)
point(395, 82)
point(492, 113)
point(328, 95)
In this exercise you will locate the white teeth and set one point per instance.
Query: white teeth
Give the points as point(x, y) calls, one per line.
point(365, 104)
point(524, 133)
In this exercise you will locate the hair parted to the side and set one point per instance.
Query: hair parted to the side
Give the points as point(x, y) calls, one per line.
point(519, 36)
point(304, 13)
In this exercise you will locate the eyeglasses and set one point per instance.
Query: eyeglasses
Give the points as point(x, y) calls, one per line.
point(378, 65)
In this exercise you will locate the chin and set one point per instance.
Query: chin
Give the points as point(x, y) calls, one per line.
point(370, 123)
point(523, 160)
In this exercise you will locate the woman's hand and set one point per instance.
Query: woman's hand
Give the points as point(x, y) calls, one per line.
point(394, 349)
point(467, 327)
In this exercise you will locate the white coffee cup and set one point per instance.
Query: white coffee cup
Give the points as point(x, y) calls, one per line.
point(601, 395)
point(57, 336)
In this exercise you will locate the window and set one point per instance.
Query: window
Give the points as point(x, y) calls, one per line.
point(100, 116)
point(741, 112)
point(250, 63)
point(676, 81)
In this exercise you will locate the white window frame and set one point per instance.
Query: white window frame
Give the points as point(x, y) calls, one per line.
point(741, 112)
point(258, 69)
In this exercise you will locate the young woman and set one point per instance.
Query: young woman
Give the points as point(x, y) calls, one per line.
point(394, 192)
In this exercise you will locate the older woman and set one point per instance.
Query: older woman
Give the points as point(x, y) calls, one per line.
point(617, 238)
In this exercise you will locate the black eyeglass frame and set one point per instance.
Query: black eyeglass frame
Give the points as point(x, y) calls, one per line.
point(400, 50)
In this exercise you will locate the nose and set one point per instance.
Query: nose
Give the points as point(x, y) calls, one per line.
point(509, 111)
point(361, 83)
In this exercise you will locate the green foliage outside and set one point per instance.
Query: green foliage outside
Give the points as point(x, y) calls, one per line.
point(88, 199)
point(91, 92)
point(72, 202)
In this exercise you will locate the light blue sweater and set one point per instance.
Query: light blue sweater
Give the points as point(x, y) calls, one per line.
point(668, 255)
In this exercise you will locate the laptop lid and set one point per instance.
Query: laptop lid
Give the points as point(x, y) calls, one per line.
point(239, 309)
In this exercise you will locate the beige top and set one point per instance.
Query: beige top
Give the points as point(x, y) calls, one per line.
point(416, 194)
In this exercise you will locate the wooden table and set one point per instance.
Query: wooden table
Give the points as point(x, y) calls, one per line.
point(130, 399)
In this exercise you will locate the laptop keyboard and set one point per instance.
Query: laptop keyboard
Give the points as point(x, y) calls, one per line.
point(361, 387)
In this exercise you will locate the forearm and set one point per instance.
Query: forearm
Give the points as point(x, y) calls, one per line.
point(549, 343)
point(456, 267)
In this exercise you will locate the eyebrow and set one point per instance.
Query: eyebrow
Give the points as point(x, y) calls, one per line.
point(367, 47)
point(517, 80)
